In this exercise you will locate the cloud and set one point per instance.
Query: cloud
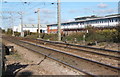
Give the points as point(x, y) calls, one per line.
point(73, 11)
point(31, 19)
point(107, 11)
point(100, 11)
point(70, 20)
point(47, 19)
point(47, 16)
point(47, 11)
point(102, 5)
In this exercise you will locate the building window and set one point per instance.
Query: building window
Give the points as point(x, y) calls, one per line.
point(81, 23)
point(105, 20)
point(102, 21)
point(112, 20)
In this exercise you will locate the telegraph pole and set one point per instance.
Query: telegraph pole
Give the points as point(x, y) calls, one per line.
point(22, 33)
point(59, 20)
point(38, 22)
point(38, 12)
point(12, 19)
point(12, 24)
point(21, 13)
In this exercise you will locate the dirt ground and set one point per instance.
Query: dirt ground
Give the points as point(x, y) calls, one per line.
point(105, 45)
point(111, 46)
point(26, 62)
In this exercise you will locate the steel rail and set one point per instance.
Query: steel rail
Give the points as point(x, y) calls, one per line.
point(73, 55)
point(117, 68)
point(89, 74)
point(106, 55)
point(78, 45)
point(56, 42)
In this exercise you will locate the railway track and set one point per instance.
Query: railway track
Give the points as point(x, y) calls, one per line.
point(111, 58)
point(92, 49)
point(82, 64)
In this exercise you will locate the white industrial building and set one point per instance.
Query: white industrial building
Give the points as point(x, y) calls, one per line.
point(31, 27)
point(81, 22)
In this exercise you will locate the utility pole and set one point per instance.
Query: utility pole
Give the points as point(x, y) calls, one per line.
point(38, 22)
point(21, 13)
point(38, 12)
point(59, 20)
point(12, 19)
point(22, 33)
point(12, 24)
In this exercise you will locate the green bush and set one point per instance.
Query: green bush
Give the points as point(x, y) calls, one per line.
point(52, 37)
point(106, 35)
point(71, 37)
point(17, 33)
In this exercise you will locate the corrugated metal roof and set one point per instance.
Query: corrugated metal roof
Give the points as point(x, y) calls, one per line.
point(105, 17)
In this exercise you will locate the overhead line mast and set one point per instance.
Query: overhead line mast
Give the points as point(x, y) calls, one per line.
point(12, 19)
point(38, 22)
point(59, 20)
point(22, 33)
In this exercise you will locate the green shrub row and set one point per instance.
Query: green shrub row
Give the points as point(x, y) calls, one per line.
point(91, 35)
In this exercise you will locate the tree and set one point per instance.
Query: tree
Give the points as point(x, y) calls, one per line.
point(91, 34)
point(9, 31)
point(116, 37)
point(3, 31)
point(27, 32)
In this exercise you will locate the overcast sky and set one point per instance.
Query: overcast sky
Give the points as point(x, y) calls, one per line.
point(48, 11)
